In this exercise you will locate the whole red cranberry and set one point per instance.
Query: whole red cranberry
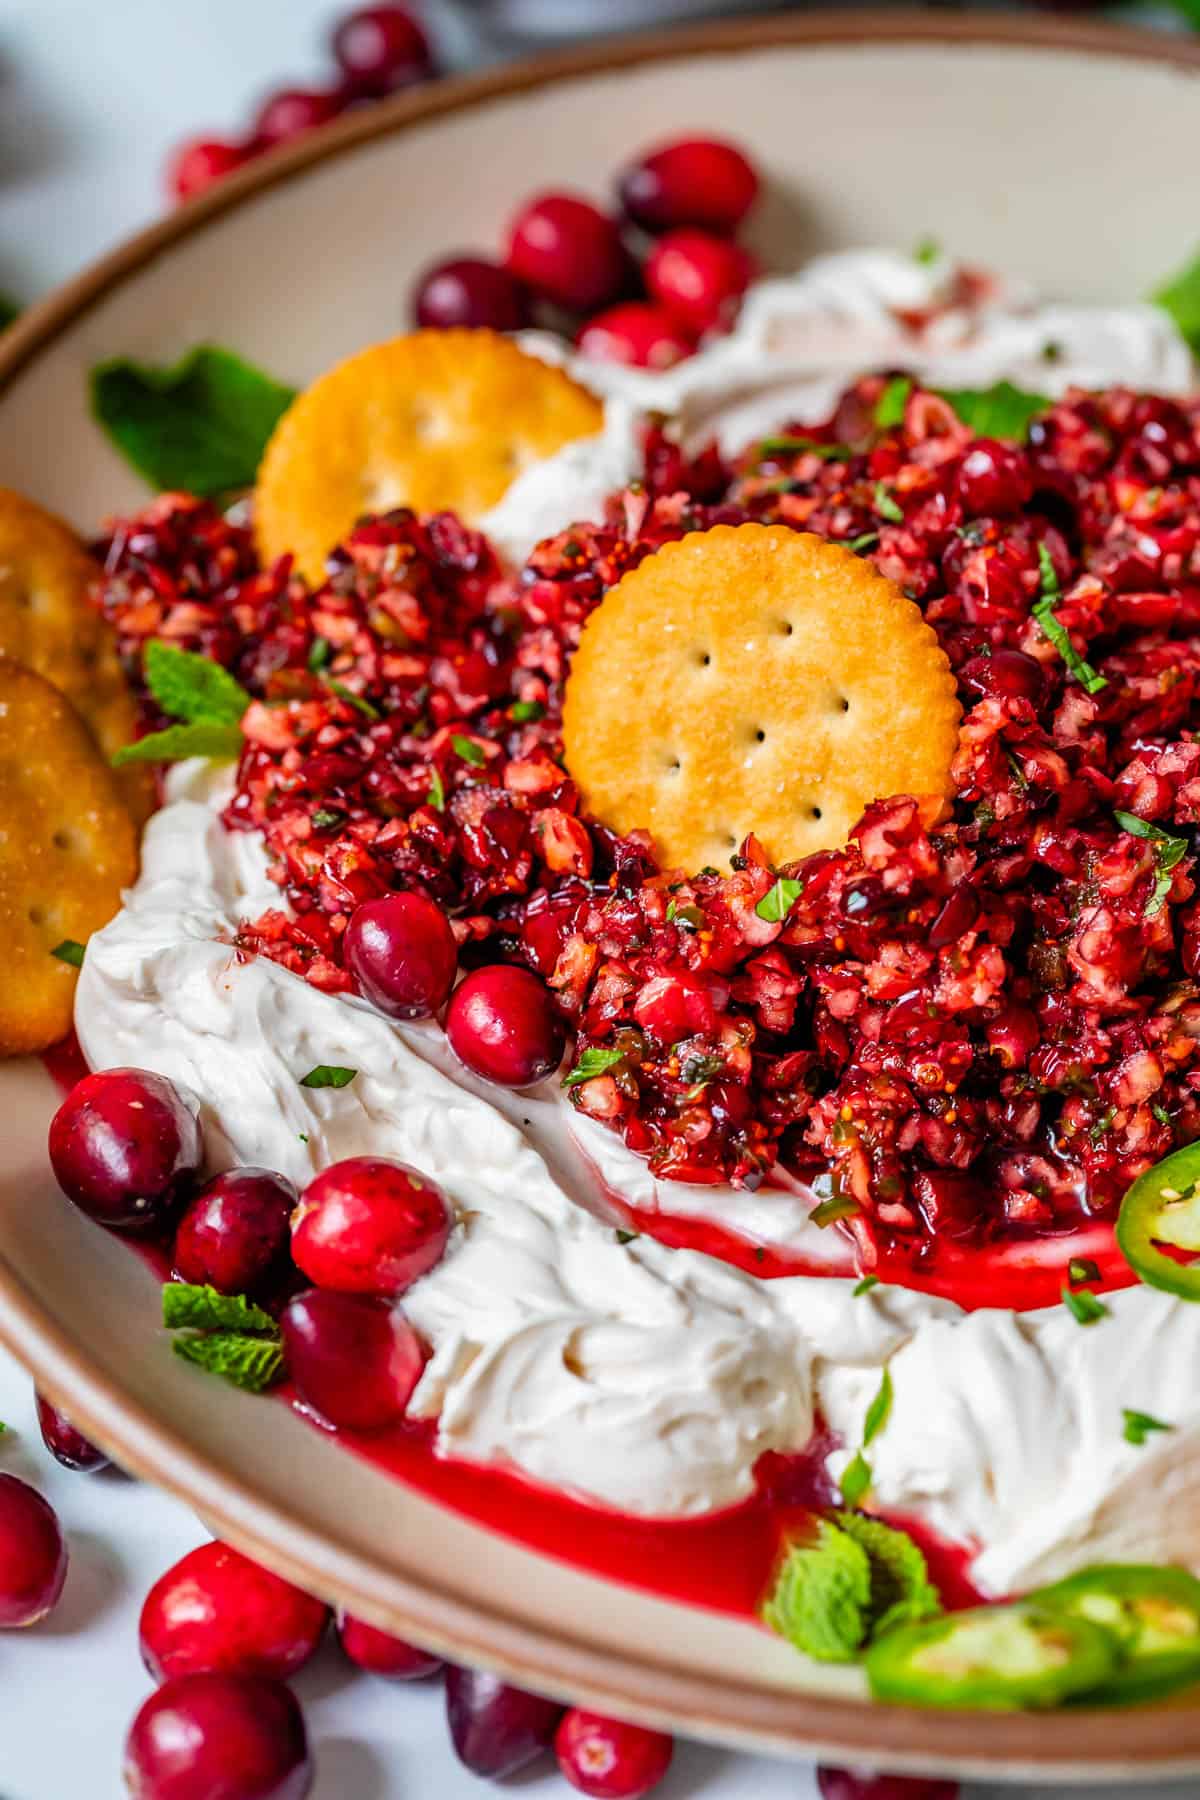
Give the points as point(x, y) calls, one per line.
point(694, 181)
point(33, 1555)
point(292, 112)
point(994, 479)
point(125, 1146)
point(381, 48)
point(567, 250)
point(382, 1654)
point(469, 290)
point(200, 162)
point(234, 1234)
point(497, 1729)
point(1005, 674)
point(861, 1784)
point(219, 1737)
point(501, 1022)
point(607, 1759)
point(353, 1358)
point(217, 1610)
point(402, 952)
point(370, 1225)
point(66, 1445)
point(638, 334)
point(699, 278)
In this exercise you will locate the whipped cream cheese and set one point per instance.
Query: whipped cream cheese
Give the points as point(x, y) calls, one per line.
point(647, 1379)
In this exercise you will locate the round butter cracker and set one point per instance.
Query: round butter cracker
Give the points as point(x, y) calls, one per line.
point(752, 678)
point(438, 421)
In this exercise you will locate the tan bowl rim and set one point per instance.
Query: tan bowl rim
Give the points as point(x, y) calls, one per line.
point(1083, 1745)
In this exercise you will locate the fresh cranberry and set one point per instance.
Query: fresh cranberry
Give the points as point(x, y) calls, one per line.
point(234, 1234)
point(33, 1556)
point(502, 1024)
point(293, 112)
point(567, 250)
point(698, 278)
point(468, 290)
point(994, 479)
point(861, 1784)
point(497, 1729)
point(219, 1737)
point(66, 1445)
point(200, 162)
point(609, 1760)
point(695, 181)
point(638, 334)
point(382, 1654)
point(956, 917)
point(354, 1360)
point(1006, 674)
point(217, 1610)
point(402, 952)
point(125, 1147)
point(381, 48)
point(370, 1226)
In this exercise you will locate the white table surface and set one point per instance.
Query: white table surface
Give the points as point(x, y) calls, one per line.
point(93, 94)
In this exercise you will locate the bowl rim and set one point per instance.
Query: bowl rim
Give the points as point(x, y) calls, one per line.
point(1092, 1746)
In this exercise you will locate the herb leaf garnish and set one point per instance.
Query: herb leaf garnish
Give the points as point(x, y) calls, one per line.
point(468, 750)
point(220, 743)
point(1169, 851)
point(199, 426)
point(193, 688)
point(69, 951)
point(1002, 411)
point(594, 1061)
point(779, 900)
point(227, 1334)
point(865, 1285)
point(1083, 1306)
point(328, 1075)
point(889, 408)
point(188, 1306)
point(1180, 296)
point(858, 1578)
point(437, 791)
point(1139, 1425)
point(1056, 631)
point(797, 446)
point(886, 507)
point(857, 1475)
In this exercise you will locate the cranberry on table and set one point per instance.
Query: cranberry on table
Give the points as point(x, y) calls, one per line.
point(379, 1653)
point(503, 1025)
point(200, 162)
point(125, 1147)
point(402, 952)
point(292, 112)
point(610, 1760)
point(381, 48)
point(215, 1609)
point(567, 250)
point(354, 1360)
point(497, 1729)
point(637, 334)
point(693, 181)
point(994, 478)
point(219, 1737)
point(698, 278)
point(370, 1225)
point(862, 1784)
point(66, 1445)
point(234, 1234)
point(469, 290)
point(33, 1554)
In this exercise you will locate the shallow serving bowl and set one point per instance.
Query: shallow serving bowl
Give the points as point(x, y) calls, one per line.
point(1020, 144)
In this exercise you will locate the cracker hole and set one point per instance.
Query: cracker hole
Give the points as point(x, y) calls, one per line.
point(425, 425)
point(843, 704)
point(760, 736)
point(786, 628)
point(814, 812)
point(63, 840)
point(37, 916)
point(703, 659)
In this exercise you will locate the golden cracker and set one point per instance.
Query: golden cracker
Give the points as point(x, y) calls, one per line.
point(67, 848)
point(437, 420)
point(48, 622)
point(755, 678)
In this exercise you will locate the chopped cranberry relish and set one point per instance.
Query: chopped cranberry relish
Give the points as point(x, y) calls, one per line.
point(966, 1028)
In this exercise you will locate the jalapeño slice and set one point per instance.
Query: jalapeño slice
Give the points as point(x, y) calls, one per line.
point(1158, 1229)
point(1154, 1614)
point(1001, 1658)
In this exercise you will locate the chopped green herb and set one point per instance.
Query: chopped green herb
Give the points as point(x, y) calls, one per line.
point(526, 712)
point(700, 1070)
point(690, 917)
point(252, 1363)
point(879, 1411)
point(186, 1306)
point(594, 1061)
point(69, 951)
point(1002, 411)
point(1057, 633)
point(303, 1136)
point(927, 251)
point(437, 791)
point(1160, 1112)
point(357, 701)
point(1139, 1425)
point(220, 743)
point(822, 1596)
point(320, 653)
point(856, 1479)
point(779, 900)
point(828, 1212)
point(1082, 1268)
point(1169, 851)
point(889, 408)
point(859, 544)
point(628, 1237)
point(1180, 296)
point(1083, 1305)
point(798, 446)
point(468, 750)
point(901, 1590)
point(886, 507)
point(327, 817)
point(328, 1075)
point(865, 1285)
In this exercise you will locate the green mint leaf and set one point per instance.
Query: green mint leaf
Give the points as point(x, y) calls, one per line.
point(437, 791)
point(69, 951)
point(320, 653)
point(1160, 1112)
point(797, 446)
point(855, 1484)
point(253, 1363)
point(468, 750)
point(821, 1598)
point(328, 1075)
point(352, 699)
point(1139, 1425)
point(1082, 1268)
point(221, 743)
point(327, 818)
point(859, 544)
point(779, 900)
point(1083, 1306)
point(594, 1061)
point(1180, 296)
point(828, 1212)
point(689, 917)
point(187, 1306)
point(9, 310)
point(1002, 411)
point(927, 251)
point(526, 712)
point(627, 1237)
point(1169, 851)
point(901, 1590)
point(886, 507)
point(1053, 629)
point(865, 1285)
point(199, 426)
point(1047, 576)
point(191, 687)
point(879, 1411)
point(889, 408)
